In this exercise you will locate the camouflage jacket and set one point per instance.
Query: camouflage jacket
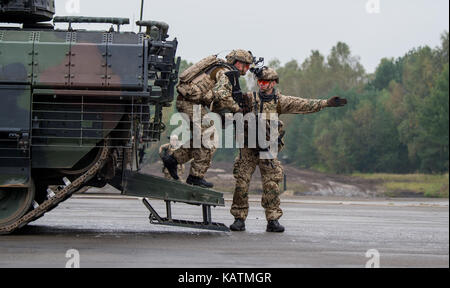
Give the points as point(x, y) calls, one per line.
point(285, 104)
point(281, 104)
point(223, 94)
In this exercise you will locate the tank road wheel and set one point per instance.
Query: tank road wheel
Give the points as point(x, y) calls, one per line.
point(14, 203)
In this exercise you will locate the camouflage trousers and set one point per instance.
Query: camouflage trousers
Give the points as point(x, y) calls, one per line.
point(166, 150)
point(180, 172)
point(271, 175)
point(201, 157)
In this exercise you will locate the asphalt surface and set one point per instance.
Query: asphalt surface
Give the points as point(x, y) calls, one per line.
point(110, 231)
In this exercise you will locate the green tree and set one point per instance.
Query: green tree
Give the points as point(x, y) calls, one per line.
point(347, 72)
point(396, 122)
point(315, 81)
point(433, 140)
point(442, 52)
point(388, 70)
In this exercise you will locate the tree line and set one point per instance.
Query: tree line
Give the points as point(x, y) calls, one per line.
point(396, 121)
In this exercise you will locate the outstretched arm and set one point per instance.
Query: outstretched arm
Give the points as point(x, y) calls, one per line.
point(297, 105)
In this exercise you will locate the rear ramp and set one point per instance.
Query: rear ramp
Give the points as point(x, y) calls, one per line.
point(153, 187)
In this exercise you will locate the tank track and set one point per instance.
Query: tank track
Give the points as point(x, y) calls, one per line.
point(59, 196)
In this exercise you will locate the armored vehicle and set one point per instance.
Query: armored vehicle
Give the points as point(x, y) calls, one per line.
point(78, 108)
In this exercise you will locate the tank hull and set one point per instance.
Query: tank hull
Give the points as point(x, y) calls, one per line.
point(79, 109)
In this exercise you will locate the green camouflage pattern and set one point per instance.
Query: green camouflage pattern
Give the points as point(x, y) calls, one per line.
point(271, 170)
point(287, 104)
point(239, 55)
point(268, 74)
point(201, 157)
point(222, 99)
point(297, 105)
point(72, 59)
point(63, 92)
point(223, 94)
point(165, 150)
point(271, 173)
point(79, 109)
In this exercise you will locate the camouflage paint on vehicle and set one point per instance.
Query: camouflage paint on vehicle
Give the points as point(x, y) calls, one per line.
point(78, 107)
point(68, 90)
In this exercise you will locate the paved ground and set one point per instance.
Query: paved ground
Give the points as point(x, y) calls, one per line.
point(111, 232)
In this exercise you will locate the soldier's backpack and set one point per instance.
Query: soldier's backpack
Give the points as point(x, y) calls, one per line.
point(197, 81)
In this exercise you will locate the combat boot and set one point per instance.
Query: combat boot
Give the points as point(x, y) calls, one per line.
point(172, 166)
point(197, 181)
point(274, 226)
point(238, 225)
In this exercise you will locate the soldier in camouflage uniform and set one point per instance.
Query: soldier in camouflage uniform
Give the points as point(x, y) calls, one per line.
point(168, 149)
point(221, 95)
point(268, 100)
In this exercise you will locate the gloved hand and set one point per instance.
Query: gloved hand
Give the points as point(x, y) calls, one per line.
point(336, 102)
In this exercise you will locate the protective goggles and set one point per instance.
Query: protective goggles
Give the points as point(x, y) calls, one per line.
point(264, 82)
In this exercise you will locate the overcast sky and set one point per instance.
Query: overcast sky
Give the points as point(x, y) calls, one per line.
point(285, 29)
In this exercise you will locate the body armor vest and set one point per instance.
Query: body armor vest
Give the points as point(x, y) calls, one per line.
point(268, 103)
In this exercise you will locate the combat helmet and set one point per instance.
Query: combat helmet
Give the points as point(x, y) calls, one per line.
point(240, 55)
point(268, 74)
